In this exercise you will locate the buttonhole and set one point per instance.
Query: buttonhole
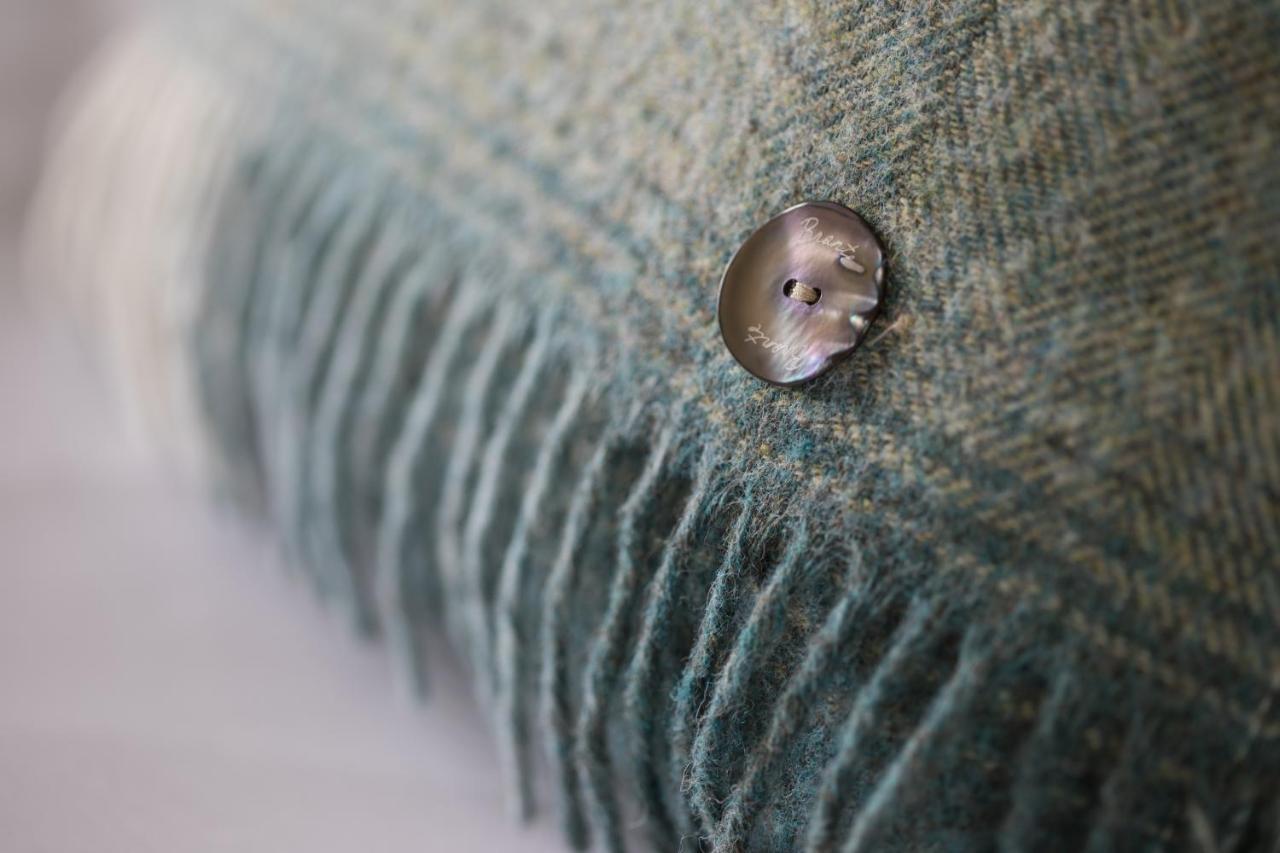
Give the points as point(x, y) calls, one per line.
point(801, 292)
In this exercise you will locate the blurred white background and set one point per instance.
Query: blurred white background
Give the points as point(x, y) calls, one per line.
point(164, 686)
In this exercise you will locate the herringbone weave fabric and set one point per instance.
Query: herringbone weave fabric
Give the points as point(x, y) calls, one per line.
point(432, 284)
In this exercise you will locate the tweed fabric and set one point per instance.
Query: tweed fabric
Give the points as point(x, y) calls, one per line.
point(1006, 579)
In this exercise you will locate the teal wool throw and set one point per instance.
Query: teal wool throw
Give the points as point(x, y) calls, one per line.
point(431, 285)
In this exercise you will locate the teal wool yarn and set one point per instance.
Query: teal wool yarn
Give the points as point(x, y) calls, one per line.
point(430, 286)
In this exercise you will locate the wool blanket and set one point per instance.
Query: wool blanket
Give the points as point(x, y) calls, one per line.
point(431, 287)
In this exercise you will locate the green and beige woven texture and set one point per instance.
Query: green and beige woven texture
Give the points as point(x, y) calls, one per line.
point(431, 285)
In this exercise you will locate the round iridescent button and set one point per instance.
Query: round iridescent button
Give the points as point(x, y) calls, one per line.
point(801, 292)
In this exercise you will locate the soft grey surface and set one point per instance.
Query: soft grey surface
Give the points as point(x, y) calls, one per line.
point(40, 44)
point(168, 688)
point(163, 685)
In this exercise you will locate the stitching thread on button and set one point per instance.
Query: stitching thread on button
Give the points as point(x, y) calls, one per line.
point(801, 292)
